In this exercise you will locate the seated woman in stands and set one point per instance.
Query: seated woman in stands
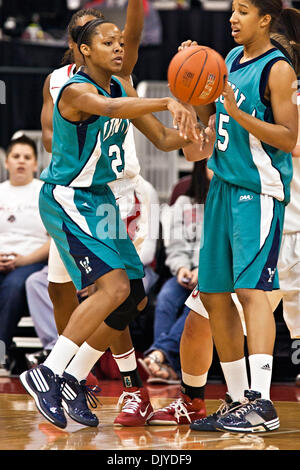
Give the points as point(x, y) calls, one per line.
point(24, 242)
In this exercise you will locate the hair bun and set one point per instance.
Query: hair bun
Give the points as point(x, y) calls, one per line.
point(75, 32)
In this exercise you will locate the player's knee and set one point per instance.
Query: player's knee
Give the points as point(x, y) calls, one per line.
point(245, 296)
point(207, 301)
point(133, 305)
point(62, 293)
point(192, 326)
point(55, 291)
point(120, 291)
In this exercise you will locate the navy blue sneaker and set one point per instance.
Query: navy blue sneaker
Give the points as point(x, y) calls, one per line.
point(74, 399)
point(209, 422)
point(254, 415)
point(44, 386)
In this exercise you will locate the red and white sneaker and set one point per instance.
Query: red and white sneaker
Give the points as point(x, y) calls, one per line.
point(92, 380)
point(181, 411)
point(135, 407)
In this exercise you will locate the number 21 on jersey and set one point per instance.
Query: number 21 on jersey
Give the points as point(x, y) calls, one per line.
point(117, 160)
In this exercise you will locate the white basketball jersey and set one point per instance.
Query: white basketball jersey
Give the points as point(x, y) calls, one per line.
point(292, 211)
point(59, 77)
point(132, 167)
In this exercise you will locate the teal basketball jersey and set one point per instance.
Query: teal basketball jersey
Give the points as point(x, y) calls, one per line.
point(239, 158)
point(86, 154)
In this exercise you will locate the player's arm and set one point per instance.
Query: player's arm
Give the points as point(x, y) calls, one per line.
point(282, 134)
point(164, 138)
point(296, 151)
point(46, 116)
point(79, 101)
point(132, 36)
point(198, 151)
point(204, 112)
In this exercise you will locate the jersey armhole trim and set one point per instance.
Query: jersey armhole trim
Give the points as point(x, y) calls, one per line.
point(265, 77)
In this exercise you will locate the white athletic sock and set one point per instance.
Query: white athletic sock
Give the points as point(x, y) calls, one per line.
point(261, 373)
point(236, 378)
point(61, 354)
point(126, 361)
point(83, 362)
point(194, 380)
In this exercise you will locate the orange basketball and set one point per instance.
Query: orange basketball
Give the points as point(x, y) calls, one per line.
point(197, 75)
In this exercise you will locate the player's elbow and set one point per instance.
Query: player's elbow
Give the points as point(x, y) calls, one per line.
point(160, 141)
point(289, 145)
point(191, 156)
point(296, 151)
point(192, 153)
point(47, 142)
point(290, 142)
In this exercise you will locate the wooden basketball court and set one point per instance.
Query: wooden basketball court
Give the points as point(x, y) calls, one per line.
point(23, 428)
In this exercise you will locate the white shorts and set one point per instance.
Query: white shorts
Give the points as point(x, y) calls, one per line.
point(129, 195)
point(56, 268)
point(132, 199)
point(195, 304)
point(289, 280)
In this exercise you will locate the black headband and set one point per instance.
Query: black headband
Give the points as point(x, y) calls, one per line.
point(85, 28)
point(282, 49)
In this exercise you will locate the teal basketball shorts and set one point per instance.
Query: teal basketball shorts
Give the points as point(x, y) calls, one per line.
point(89, 233)
point(240, 241)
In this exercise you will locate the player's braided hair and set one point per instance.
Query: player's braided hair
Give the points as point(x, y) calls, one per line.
point(289, 26)
point(288, 49)
point(68, 56)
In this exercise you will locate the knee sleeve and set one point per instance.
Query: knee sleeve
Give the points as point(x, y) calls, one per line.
point(120, 318)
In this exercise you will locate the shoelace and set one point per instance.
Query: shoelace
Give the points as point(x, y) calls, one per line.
point(132, 401)
point(179, 406)
point(89, 391)
point(246, 406)
point(90, 394)
point(224, 408)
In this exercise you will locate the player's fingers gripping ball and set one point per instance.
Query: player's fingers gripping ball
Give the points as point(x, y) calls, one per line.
point(197, 75)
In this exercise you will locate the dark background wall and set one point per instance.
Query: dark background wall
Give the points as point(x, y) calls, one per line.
point(24, 66)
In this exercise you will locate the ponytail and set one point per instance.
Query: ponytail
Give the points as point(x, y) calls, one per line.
point(68, 55)
point(289, 26)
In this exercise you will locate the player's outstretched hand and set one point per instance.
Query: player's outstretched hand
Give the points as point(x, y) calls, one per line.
point(184, 119)
point(186, 44)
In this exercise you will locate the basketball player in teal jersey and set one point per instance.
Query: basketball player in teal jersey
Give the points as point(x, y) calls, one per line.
point(256, 129)
point(61, 288)
point(90, 121)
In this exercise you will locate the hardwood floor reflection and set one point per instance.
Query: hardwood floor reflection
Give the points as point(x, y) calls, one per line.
point(22, 427)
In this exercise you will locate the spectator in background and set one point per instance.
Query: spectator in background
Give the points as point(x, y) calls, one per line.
point(161, 360)
point(24, 242)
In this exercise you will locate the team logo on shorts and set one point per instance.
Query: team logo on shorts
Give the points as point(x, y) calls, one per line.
point(246, 197)
point(86, 264)
point(271, 274)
